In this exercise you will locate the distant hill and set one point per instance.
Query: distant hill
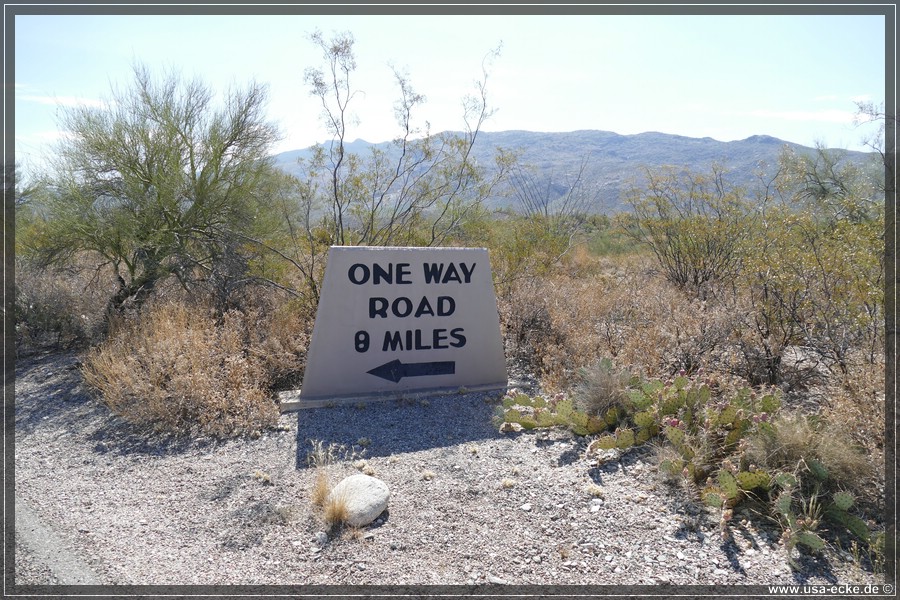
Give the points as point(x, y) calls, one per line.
point(614, 160)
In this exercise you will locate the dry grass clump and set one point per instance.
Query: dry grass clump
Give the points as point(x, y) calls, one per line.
point(335, 511)
point(321, 488)
point(603, 386)
point(181, 370)
point(795, 441)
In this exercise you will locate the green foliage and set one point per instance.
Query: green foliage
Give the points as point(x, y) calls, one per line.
point(693, 223)
point(814, 263)
point(159, 182)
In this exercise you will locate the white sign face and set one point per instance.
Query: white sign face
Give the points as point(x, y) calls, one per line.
point(397, 320)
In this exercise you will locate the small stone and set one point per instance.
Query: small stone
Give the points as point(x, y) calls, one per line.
point(496, 580)
point(321, 538)
point(510, 428)
point(526, 507)
point(617, 570)
point(720, 572)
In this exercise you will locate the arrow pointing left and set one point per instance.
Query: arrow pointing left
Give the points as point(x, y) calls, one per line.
point(396, 370)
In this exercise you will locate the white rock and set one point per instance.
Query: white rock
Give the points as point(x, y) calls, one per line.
point(526, 507)
point(366, 498)
point(321, 538)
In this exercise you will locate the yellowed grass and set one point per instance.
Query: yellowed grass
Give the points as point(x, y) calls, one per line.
point(335, 511)
point(321, 488)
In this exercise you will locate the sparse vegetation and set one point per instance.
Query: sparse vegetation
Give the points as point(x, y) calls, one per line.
point(334, 510)
point(740, 330)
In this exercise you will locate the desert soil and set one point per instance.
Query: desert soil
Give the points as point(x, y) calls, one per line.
point(102, 503)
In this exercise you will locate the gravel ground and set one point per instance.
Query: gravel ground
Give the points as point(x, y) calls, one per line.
point(468, 505)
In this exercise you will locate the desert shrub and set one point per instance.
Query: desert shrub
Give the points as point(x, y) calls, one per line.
point(181, 370)
point(693, 223)
point(57, 306)
point(816, 284)
point(857, 401)
point(621, 310)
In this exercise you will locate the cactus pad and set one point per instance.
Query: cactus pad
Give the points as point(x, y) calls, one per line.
point(674, 435)
point(728, 484)
point(785, 480)
point(727, 415)
point(843, 500)
point(817, 469)
point(604, 442)
point(612, 416)
point(769, 404)
point(624, 438)
point(644, 419)
point(713, 497)
point(810, 540)
point(783, 504)
point(749, 480)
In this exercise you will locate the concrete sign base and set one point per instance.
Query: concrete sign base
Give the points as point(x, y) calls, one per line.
point(398, 321)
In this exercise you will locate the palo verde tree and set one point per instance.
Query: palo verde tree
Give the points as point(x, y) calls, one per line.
point(418, 192)
point(163, 180)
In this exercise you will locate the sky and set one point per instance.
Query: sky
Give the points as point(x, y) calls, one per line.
point(721, 76)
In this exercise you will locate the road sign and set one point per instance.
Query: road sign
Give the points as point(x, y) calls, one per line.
point(397, 320)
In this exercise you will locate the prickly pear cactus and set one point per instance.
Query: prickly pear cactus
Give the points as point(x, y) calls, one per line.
point(843, 500)
point(810, 540)
point(728, 484)
point(604, 442)
point(750, 480)
point(817, 469)
point(644, 419)
point(783, 504)
point(624, 438)
point(674, 435)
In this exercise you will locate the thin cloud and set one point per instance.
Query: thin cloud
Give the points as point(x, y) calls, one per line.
point(67, 101)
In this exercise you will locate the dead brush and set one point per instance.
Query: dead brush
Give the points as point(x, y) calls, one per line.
point(177, 369)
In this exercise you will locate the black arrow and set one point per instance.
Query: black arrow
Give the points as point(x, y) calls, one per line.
point(396, 370)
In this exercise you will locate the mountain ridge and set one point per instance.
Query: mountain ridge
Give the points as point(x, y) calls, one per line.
point(613, 160)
